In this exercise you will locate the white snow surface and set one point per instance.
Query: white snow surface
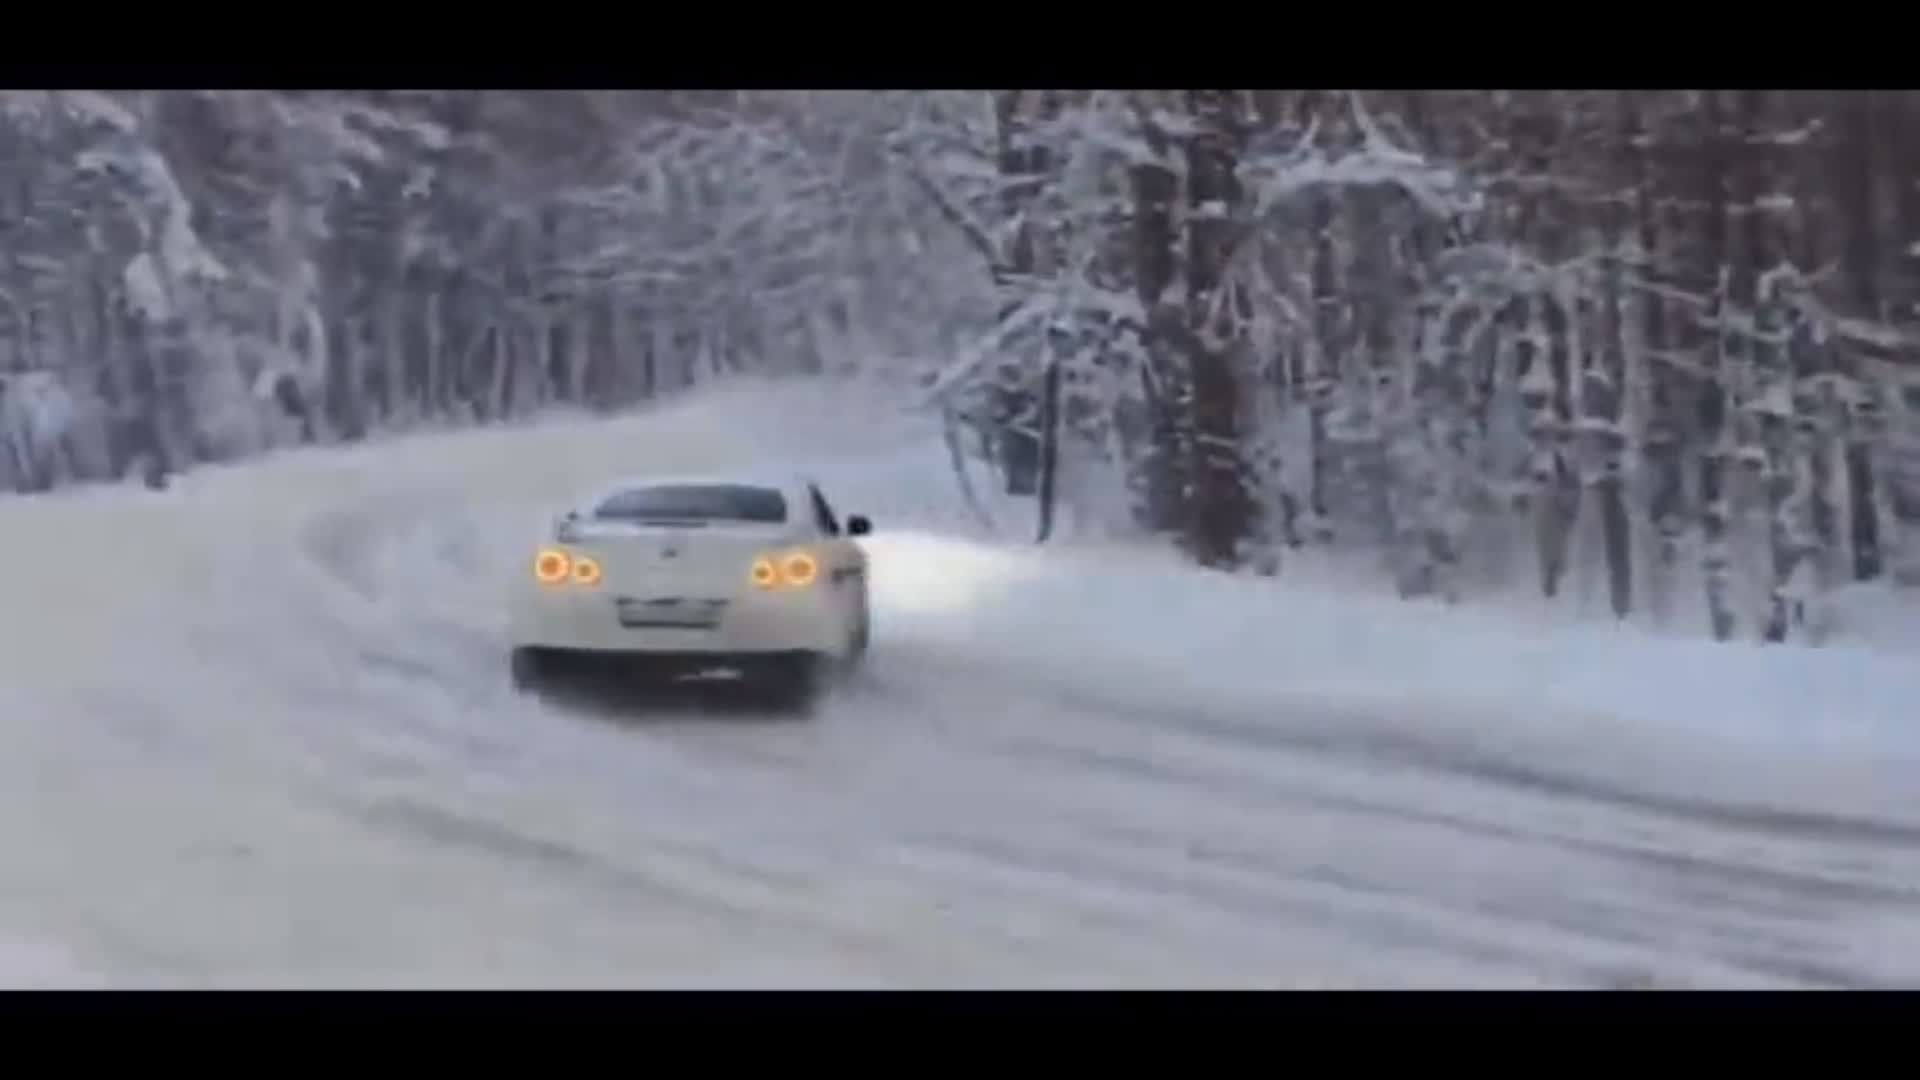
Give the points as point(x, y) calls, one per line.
point(255, 730)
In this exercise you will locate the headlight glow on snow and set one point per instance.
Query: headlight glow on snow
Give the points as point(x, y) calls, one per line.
point(552, 566)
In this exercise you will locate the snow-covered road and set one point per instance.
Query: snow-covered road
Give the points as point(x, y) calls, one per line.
point(256, 730)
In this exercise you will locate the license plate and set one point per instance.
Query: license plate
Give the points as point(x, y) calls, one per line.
point(672, 612)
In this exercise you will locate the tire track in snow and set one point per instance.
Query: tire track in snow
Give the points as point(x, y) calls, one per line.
point(1782, 903)
point(349, 547)
point(834, 762)
point(825, 760)
point(952, 821)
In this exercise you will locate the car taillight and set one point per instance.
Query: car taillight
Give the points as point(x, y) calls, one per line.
point(552, 566)
point(586, 572)
point(799, 570)
point(764, 574)
point(785, 570)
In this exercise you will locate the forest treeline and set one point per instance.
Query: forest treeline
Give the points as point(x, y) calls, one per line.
point(1667, 336)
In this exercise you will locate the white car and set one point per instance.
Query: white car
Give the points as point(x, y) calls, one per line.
point(757, 576)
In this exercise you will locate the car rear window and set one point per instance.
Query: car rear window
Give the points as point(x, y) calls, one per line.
point(695, 502)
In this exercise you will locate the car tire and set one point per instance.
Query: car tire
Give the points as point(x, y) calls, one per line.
point(792, 681)
point(860, 641)
point(528, 669)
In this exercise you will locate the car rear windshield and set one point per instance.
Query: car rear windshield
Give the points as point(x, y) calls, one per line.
point(695, 502)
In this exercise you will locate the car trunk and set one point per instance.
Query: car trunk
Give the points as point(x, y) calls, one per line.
point(689, 560)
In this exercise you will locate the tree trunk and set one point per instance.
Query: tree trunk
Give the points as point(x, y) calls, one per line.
point(391, 359)
point(1715, 436)
point(1602, 401)
point(1222, 513)
point(1662, 435)
point(1023, 162)
point(1328, 369)
point(1860, 263)
point(1155, 189)
point(434, 394)
point(1772, 377)
point(1049, 449)
point(579, 353)
point(1901, 443)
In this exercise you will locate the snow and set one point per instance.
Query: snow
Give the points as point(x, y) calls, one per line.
point(1798, 136)
point(1873, 333)
point(28, 964)
point(430, 135)
point(146, 292)
point(180, 246)
point(1502, 675)
point(180, 251)
point(1439, 190)
point(254, 730)
point(1875, 618)
point(36, 408)
point(96, 106)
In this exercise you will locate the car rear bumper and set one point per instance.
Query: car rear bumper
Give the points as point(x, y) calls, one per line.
point(744, 627)
point(624, 663)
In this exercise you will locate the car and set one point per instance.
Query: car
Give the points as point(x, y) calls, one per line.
point(755, 577)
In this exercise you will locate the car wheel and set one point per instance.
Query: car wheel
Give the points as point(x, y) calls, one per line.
point(857, 646)
point(793, 681)
point(528, 667)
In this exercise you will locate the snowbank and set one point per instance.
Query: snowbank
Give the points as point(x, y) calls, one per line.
point(38, 965)
point(1115, 607)
point(1140, 631)
point(1211, 633)
point(1822, 732)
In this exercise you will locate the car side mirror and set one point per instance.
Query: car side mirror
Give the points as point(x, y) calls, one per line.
point(858, 525)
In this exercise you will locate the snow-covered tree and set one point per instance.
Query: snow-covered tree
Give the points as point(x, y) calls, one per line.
point(1656, 346)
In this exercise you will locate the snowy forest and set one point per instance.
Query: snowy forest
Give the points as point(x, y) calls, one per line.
point(1666, 339)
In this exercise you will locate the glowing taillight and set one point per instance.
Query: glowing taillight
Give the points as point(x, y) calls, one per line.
point(586, 572)
point(799, 570)
point(785, 570)
point(552, 567)
point(764, 575)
